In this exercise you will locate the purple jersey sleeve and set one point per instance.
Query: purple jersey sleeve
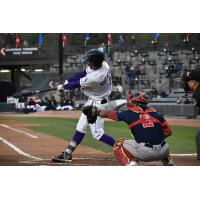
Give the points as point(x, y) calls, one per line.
point(77, 76)
point(72, 85)
point(74, 80)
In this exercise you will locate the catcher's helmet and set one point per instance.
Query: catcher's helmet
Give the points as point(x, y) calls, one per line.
point(140, 97)
point(95, 57)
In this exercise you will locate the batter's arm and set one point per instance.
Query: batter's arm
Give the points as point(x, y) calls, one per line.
point(77, 76)
point(72, 85)
point(72, 81)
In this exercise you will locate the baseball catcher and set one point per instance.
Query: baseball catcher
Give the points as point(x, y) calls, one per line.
point(148, 127)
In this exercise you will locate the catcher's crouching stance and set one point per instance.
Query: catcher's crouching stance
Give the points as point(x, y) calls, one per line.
point(148, 127)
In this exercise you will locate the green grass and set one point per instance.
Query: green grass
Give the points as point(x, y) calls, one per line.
point(182, 140)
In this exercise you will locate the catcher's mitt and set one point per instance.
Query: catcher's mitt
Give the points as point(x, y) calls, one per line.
point(91, 113)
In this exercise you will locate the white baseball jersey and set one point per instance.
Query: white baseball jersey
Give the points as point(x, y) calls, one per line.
point(97, 84)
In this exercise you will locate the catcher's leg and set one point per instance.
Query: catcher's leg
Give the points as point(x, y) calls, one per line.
point(122, 154)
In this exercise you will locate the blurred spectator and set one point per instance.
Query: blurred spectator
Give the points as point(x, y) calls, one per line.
point(54, 103)
point(71, 102)
point(31, 102)
point(130, 94)
point(162, 94)
point(110, 53)
point(170, 70)
point(154, 92)
point(183, 100)
point(53, 84)
point(48, 104)
point(137, 69)
point(66, 104)
point(133, 39)
point(102, 47)
point(119, 88)
point(35, 104)
point(116, 92)
point(178, 67)
point(31, 105)
point(131, 77)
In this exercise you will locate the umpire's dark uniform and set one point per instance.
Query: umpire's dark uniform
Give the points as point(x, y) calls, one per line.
point(194, 75)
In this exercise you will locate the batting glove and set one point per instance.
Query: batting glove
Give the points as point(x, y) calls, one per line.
point(66, 82)
point(60, 87)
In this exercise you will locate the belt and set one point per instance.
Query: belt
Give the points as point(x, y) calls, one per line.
point(151, 145)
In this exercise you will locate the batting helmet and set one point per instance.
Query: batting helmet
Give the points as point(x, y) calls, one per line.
point(140, 97)
point(95, 57)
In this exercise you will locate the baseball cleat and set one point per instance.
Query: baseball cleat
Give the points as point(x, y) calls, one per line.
point(63, 157)
point(132, 163)
point(167, 161)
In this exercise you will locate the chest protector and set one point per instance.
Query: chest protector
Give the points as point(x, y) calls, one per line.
point(145, 118)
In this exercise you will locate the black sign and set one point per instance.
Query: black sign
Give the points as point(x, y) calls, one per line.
point(19, 51)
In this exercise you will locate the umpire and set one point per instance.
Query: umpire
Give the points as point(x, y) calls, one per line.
point(191, 82)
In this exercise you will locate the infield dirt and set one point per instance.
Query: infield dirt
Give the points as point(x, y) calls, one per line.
point(45, 146)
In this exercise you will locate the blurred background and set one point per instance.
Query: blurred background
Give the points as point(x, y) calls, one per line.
point(150, 62)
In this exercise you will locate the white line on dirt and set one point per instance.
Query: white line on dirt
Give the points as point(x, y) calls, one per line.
point(47, 161)
point(19, 150)
point(52, 163)
point(14, 129)
point(183, 155)
point(85, 158)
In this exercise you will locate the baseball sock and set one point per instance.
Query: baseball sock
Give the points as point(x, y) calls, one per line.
point(107, 139)
point(76, 140)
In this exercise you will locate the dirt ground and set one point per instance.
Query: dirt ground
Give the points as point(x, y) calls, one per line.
point(21, 146)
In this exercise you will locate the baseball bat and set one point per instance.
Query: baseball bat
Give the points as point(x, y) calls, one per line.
point(29, 93)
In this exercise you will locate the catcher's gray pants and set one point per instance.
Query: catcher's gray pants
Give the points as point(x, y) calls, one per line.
point(143, 153)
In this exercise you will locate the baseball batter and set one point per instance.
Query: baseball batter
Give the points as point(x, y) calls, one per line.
point(149, 129)
point(96, 83)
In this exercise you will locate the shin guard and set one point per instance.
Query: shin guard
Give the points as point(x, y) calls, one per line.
point(121, 153)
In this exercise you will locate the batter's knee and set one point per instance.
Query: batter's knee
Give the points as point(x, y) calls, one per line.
point(97, 134)
point(122, 154)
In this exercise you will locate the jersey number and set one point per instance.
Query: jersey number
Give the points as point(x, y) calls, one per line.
point(146, 121)
point(107, 78)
